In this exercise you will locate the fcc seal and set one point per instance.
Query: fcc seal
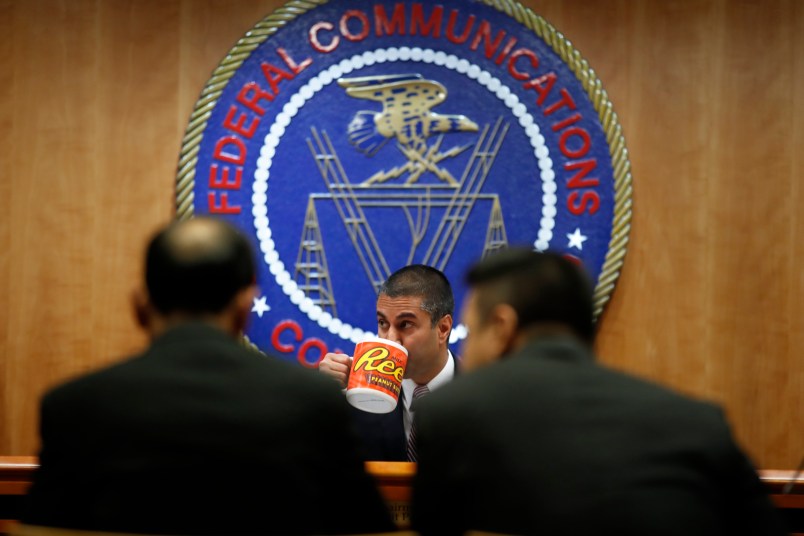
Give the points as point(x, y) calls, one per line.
point(350, 138)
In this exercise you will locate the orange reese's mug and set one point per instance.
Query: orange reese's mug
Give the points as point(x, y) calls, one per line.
point(376, 376)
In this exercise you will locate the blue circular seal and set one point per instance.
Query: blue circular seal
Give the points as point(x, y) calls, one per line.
point(350, 139)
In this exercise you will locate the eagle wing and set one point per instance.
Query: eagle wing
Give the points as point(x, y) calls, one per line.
point(406, 100)
point(367, 82)
point(412, 92)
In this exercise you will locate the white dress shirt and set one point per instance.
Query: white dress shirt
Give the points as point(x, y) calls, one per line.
point(408, 385)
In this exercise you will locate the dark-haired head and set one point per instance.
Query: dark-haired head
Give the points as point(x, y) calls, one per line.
point(425, 282)
point(197, 269)
point(415, 308)
point(544, 292)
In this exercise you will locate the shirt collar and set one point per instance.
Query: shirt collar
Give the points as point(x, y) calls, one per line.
point(446, 374)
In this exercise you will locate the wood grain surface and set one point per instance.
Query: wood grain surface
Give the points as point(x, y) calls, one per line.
point(95, 96)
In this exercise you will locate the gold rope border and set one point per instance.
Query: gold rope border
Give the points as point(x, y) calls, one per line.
point(621, 223)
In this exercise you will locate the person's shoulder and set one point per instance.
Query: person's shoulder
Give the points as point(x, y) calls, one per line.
point(292, 373)
point(313, 397)
point(650, 388)
point(666, 403)
point(460, 389)
point(84, 384)
point(545, 376)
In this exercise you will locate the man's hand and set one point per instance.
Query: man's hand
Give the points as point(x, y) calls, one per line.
point(336, 366)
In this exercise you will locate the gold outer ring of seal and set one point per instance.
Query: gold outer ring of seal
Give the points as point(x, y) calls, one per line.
point(621, 221)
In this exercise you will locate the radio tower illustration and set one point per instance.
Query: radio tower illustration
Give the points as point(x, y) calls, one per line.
point(312, 273)
point(496, 238)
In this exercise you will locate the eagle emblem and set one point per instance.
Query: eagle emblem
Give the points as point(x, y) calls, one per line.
point(406, 116)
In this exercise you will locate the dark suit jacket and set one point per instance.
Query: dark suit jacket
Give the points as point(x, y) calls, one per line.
point(548, 442)
point(199, 435)
point(382, 435)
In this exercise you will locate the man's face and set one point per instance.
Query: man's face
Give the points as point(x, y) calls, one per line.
point(481, 346)
point(403, 320)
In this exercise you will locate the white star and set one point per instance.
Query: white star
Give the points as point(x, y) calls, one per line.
point(576, 239)
point(260, 306)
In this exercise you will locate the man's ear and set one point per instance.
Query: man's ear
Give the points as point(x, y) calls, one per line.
point(503, 321)
point(141, 305)
point(444, 326)
point(243, 302)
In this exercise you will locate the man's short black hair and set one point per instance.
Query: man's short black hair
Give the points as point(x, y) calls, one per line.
point(542, 287)
point(424, 282)
point(197, 266)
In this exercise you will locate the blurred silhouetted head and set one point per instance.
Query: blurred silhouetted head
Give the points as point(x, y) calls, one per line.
point(517, 294)
point(425, 282)
point(197, 267)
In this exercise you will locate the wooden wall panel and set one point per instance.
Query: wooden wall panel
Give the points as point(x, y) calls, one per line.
point(6, 144)
point(750, 272)
point(792, 444)
point(667, 137)
point(95, 144)
point(95, 96)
